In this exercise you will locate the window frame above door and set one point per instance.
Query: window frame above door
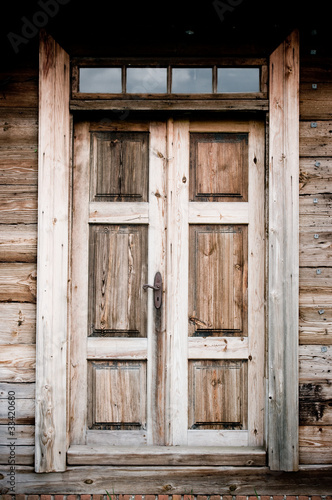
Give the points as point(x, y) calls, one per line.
point(54, 245)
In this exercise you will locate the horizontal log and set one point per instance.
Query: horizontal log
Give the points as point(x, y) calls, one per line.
point(24, 413)
point(24, 455)
point(317, 205)
point(315, 246)
point(315, 364)
point(19, 126)
point(315, 175)
point(171, 480)
point(320, 71)
point(20, 390)
point(18, 243)
point(315, 281)
point(24, 435)
point(20, 170)
point(18, 204)
point(315, 404)
point(163, 455)
point(19, 87)
point(315, 140)
point(18, 282)
point(315, 444)
point(17, 363)
point(18, 323)
point(315, 103)
point(315, 334)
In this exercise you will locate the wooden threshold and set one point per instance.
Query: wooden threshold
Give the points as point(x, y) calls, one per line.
point(167, 456)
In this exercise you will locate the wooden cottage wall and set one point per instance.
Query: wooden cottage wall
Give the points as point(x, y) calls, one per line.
point(315, 320)
point(18, 252)
point(18, 243)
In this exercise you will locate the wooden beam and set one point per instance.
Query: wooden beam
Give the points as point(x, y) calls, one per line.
point(283, 255)
point(53, 202)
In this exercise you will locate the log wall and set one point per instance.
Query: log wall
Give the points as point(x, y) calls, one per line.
point(315, 322)
point(18, 243)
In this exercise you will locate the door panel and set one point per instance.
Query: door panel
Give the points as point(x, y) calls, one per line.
point(184, 198)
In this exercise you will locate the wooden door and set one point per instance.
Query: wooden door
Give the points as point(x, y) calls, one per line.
point(184, 198)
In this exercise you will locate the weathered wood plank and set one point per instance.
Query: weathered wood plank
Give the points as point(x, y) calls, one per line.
point(17, 282)
point(19, 87)
point(18, 127)
point(218, 348)
point(23, 434)
point(315, 246)
point(18, 323)
point(21, 390)
point(24, 413)
point(177, 279)
point(116, 348)
point(315, 103)
point(17, 363)
point(18, 204)
point(315, 363)
point(18, 243)
point(316, 403)
point(318, 205)
point(149, 455)
point(315, 138)
point(315, 444)
point(174, 105)
point(315, 176)
point(218, 213)
point(53, 247)
point(172, 480)
point(119, 213)
point(283, 255)
point(24, 455)
point(19, 168)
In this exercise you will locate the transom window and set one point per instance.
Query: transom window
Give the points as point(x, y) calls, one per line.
point(131, 79)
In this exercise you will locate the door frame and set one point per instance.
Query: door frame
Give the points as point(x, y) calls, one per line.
point(54, 248)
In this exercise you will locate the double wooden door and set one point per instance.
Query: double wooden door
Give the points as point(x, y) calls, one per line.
point(183, 198)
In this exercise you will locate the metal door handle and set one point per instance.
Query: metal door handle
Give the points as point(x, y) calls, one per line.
point(157, 288)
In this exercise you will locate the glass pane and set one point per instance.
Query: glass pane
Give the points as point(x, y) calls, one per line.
point(192, 80)
point(234, 80)
point(100, 80)
point(147, 80)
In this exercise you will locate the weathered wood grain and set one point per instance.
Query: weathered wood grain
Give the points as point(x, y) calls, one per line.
point(315, 102)
point(315, 246)
point(283, 254)
point(315, 141)
point(315, 444)
point(19, 127)
point(318, 205)
point(315, 176)
point(24, 434)
point(18, 323)
point(315, 363)
point(19, 86)
point(118, 213)
point(24, 414)
point(24, 455)
point(21, 390)
point(18, 204)
point(172, 480)
point(84, 455)
point(17, 282)
point(17, 363)
point(18, 243)
point(315, 403)
point(17, 169)
point(53, 247)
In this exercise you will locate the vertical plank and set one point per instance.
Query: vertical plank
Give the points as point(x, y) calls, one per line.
point(79, 285)
point(156, 368)
point(53, 192)
point(283, 255)
point(177, 279)
point(256, 280)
